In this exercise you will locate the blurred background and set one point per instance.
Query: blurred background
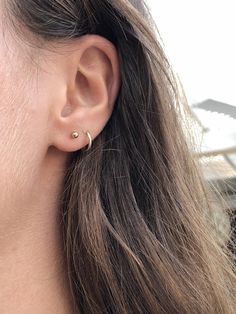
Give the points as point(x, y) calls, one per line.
point(199, 39)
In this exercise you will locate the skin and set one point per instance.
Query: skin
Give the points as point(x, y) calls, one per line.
point(45, 94)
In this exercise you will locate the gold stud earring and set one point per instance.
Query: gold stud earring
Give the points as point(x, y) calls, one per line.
point(75, 134)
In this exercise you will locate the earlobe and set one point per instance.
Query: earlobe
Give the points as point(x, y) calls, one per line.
point(92, 83)
point(75, 134)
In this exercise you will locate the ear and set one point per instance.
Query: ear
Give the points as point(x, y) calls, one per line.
point(88, 81)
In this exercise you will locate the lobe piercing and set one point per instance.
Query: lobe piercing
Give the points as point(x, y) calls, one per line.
point(75, 134)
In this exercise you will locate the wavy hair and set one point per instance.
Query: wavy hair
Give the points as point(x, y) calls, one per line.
point(135, 232)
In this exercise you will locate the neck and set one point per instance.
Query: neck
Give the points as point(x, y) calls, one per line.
point(32, 268)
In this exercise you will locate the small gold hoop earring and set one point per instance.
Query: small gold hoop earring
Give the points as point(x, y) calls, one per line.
point(90, 140)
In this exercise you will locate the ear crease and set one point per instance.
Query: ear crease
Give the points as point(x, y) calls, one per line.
point(83, 87)
point(90, 57)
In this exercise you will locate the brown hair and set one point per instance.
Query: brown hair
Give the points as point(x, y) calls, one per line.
point(133, 208)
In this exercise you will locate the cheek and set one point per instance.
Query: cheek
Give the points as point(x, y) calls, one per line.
point(21, 135)
point(11, 117)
